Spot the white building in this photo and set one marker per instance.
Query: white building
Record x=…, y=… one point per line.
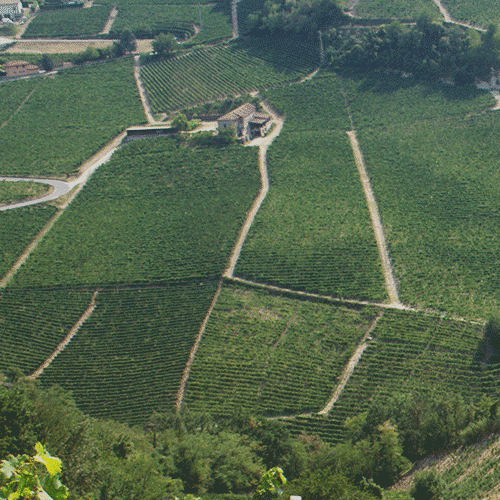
x=13, y=9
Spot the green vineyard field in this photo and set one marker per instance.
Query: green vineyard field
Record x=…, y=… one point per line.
x=252, y=353
x=69, y=22
x=85, y=107
x=396, y=9
x=127, y=359
x=158, y=211
x=313, y=232
x=411, y=353
x=205, y=75
x=441, y=220
x=147, y=19
x=12, y=94
x=17, y=229
x=34, y=322
x=482, y=12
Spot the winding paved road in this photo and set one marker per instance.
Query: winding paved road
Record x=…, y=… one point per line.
x=60, y=188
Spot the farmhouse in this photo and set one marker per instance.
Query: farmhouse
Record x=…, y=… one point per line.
x=12, y=9
x=247, y=122
x=19, y=68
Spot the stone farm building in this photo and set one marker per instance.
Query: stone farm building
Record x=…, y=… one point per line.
x=247, y=121
x=12, y=9
x=19, y=68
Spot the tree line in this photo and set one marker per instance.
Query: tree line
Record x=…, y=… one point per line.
x=428, y=50
x=177, y=454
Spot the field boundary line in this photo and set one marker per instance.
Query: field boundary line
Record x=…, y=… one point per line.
x=142, y=92
x=263, y=144
x=194, y=350
x=351, y=365
x=62, y=345
x=328, y=298
x=25, y=100
x=390, y=281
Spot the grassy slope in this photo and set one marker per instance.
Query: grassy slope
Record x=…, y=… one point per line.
x=251, y=355
x=11, y=192
x=85, y=106
x=156, y=212
x=128, y=358
x=313, y=232
x=438, y=192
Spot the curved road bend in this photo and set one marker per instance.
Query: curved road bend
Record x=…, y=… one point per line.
x=60, y=188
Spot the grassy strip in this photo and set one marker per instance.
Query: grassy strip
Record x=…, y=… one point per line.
x=396, y=9
x=17, y=229
x=252, y=353
x=34, y=322
x=158, y=211
x=313, y=232
x=127, y=359
x=438, y=193
x=11, y=192
x=85, y=107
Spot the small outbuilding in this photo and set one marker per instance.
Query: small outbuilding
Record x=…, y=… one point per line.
x=13, y=9
x=20, y=68
x=247, y=122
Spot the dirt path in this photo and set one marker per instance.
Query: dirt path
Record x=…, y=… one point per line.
x=351, y=365
x=234, y=18
x=448, y=19
x=84, y=317
x=21, y=105
x=194, y=350
x=327, y=298
x=309, y=76
x=263, y=144
x=110, y=21
x=390, y=282
x=142, y=92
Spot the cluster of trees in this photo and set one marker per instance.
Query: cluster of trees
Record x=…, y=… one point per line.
x=176, y=454
x=297, y=16
x=427, y=50
x=125, y=45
